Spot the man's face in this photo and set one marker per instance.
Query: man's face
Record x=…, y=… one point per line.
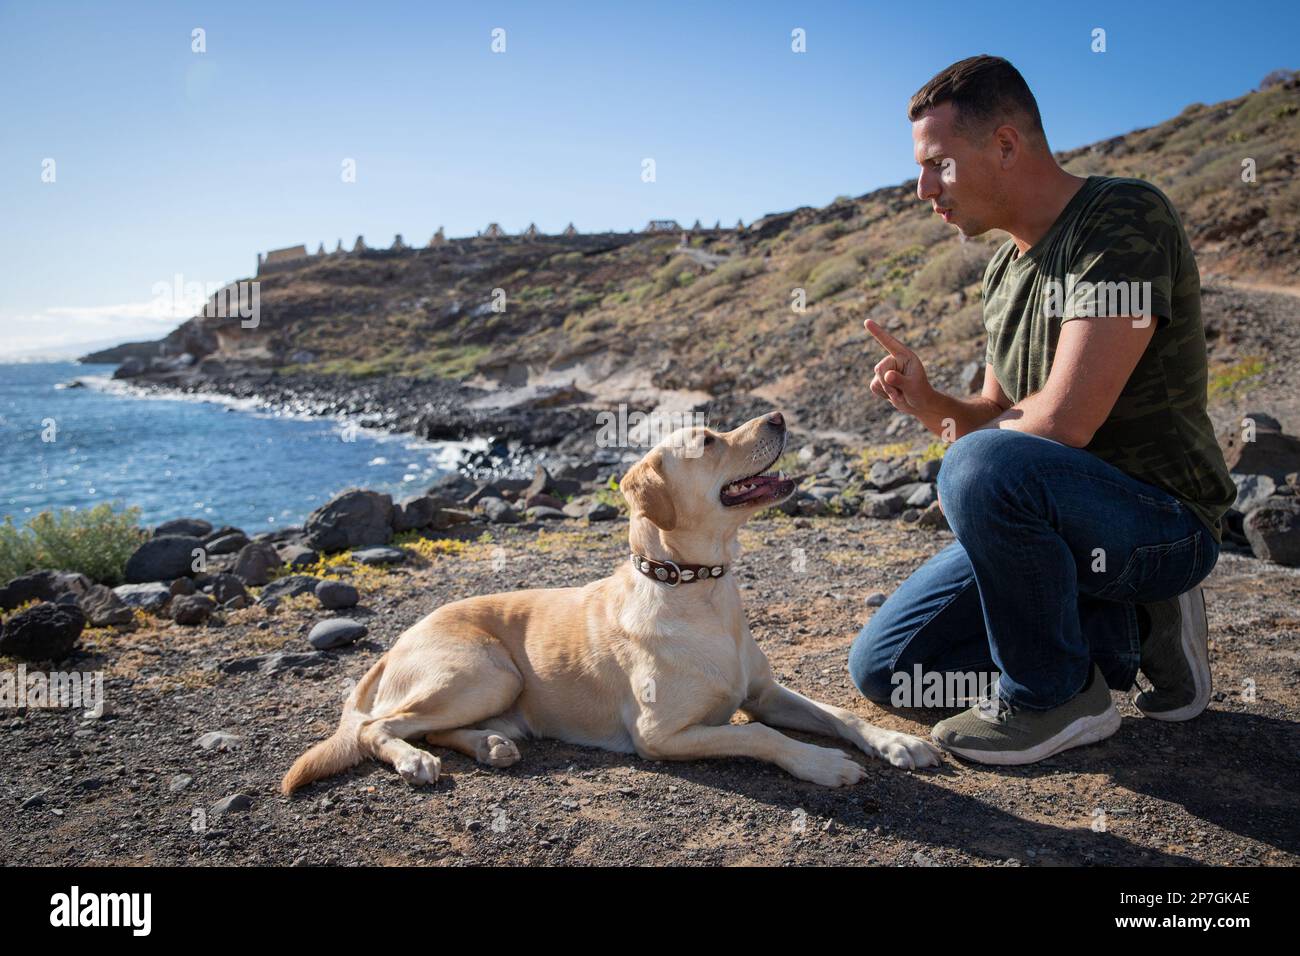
x=961, y=178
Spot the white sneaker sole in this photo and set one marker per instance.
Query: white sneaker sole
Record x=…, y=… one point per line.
x=1085, y=730
x=1194, y=638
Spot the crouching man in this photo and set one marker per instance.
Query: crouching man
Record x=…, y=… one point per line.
x=1084, y=484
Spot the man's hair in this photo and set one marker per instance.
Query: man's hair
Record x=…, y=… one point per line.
x=985, y=91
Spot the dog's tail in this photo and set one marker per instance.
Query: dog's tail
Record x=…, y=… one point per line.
x=343, y=749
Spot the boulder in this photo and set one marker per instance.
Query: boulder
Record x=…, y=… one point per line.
x=419, y=511
x=928, y=469
x=921, y=497
x=103, y=608
x=483, y=491
x=226, y=588
x=193, y=527
x=288, y=587
x=355, y=519
x=543, y=500
x=543, y=513
x=883, y=504
x=192, y=609
x=295, y=556
x=255, y=563
x=336, y=595
x=1252, y=491
x=450, y=517
x=498, y=511
x=602, y=511
x=182, y=586
x=335, y=632
x=147, y=597
x=1273, y=530
x=885, y=475
x=231, y=543
x=44, y=632
x=43, y=585
x=1271, y=453
x=375, y=556
x=932, y=517
x=163, y=558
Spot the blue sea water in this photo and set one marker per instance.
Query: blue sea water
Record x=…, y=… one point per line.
x=232, y=463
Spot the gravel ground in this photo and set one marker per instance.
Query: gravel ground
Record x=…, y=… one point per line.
x=133, y=788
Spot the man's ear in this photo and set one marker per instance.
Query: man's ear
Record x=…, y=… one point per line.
x=646, y=491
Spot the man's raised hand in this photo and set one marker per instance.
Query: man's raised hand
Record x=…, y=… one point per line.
x=899, y=376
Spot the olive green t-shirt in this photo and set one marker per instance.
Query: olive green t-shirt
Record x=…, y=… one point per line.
x=1118, y=249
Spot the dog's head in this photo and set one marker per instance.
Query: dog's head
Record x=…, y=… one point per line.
x=701, y=480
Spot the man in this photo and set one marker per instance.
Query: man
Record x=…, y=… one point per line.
x=1085, y=486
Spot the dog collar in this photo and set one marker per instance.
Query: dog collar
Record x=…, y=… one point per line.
x=672, y=574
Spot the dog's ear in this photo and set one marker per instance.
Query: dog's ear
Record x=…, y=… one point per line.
x=646, y=491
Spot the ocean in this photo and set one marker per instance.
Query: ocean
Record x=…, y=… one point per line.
x=230, y=462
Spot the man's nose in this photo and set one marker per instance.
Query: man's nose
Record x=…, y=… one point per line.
x=926, y=187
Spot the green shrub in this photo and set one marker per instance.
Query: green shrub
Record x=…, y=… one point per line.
x=95, y=542
x=955, y=268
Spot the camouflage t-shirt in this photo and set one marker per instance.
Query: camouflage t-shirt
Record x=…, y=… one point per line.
x=1118, y=249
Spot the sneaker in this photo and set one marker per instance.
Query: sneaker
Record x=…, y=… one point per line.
x=995, y=732
x=1176, y=658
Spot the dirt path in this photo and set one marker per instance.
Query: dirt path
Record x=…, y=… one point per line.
x=1221, y=789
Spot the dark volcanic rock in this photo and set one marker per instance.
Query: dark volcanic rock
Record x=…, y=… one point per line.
x=288, y=587
x=255, y=563
x=354, y=519
x=192, y=609
x=1273, y=530
x=336, y=595
x=149, y=597
x=162, y=558
x=43, y=632
x=194, y=527
x=43, y=585
x=336, y=632
x=103, y=608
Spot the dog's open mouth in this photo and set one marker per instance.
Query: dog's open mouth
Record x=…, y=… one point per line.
x=765, y=488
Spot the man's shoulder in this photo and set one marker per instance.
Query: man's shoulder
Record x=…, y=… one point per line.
x=1122, y=201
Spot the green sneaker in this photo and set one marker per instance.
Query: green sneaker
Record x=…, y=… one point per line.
x=1176, y=658
x=996, y=732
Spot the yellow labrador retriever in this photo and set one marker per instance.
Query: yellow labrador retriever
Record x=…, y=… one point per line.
x=654, y=659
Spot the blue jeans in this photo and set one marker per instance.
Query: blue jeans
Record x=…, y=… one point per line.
x=1054, y=548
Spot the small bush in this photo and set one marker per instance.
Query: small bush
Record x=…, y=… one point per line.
x=96, y=542
x=951, y=270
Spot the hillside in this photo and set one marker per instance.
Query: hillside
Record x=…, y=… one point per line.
x=639, y=318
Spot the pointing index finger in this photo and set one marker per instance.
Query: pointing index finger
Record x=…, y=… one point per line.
x=891, y=344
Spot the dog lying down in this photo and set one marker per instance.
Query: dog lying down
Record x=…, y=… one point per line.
x=653, y=660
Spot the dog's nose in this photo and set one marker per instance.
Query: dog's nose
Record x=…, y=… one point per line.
x=776, y=420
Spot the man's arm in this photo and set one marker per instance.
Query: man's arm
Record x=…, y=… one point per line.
x=1094, y=359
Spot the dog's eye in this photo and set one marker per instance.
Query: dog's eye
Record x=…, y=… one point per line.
x=708, y=439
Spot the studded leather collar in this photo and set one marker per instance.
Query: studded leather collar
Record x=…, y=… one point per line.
x=672, y=574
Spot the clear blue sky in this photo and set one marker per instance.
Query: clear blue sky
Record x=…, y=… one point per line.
x=170, y=161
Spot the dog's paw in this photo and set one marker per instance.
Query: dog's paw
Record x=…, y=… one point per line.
x=496, y=751
x=419, y=767
x=906, y=751
x=828, y=767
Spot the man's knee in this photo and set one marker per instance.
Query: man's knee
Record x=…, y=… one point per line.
x=871, y=664
x=982, y=468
